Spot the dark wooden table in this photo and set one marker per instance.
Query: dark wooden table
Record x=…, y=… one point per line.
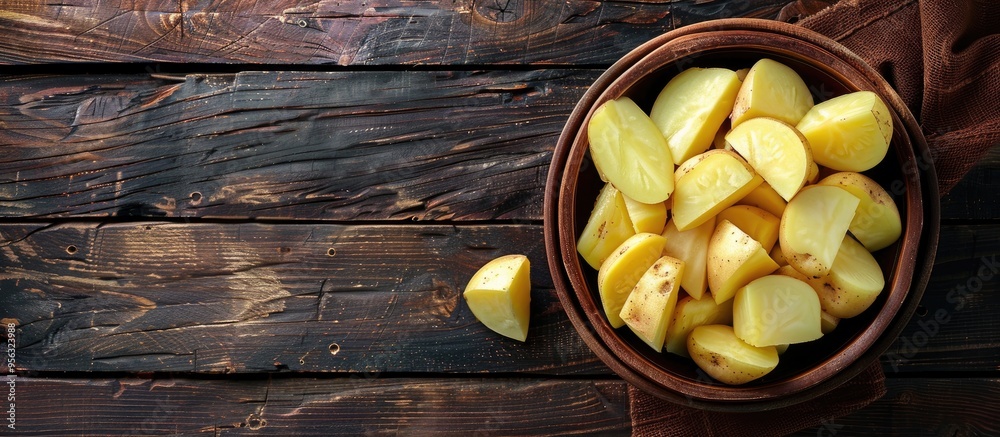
x=241, y=217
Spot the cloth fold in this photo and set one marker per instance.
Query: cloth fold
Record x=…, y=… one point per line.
x=943, y=59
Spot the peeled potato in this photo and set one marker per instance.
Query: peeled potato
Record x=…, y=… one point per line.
x=851, y=132
x=690, y=313
x=646, y=217
x=764, y=197
x=713, y=181
x=777, y=309
x=759, y=224
x=622, y=270
x=734, y=259
x=854, y=282
x=776, y=151
x=607, y=228
x=691, y=246
x=813, y=226
x=650, y=306
x=771, y=89
x=876, y=223
x=629, y=150
x=499, y=295
x=691, y=107
x=722, y=355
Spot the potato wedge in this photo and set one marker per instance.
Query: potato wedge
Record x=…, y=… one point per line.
x=734, y=259
x=499, y=295
x=851, y=132
x=759, y=224
x=691, y=246
x=714, y=181
x=607, y=227
x=854, y=282
x=813, y=226
x=776, y=151
x=777, y=309
x=876, y=223
x=764, y=197
x=629, y=150
x=722, y=355
x=691, y=107
x=771, y=89
x=622, y=270
x=646, y=217
x=650, y=306
x=690, y=313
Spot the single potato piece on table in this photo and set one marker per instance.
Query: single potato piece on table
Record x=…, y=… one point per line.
x=851, y=132
x=607, y=228
x=776, y=151
x=722, y=355
x=709, y=183
x=646, y=217
x=691, y=246
x=771, y=89
x=650, y=306
x=629, y=150
x=622, y=270
x=764, y=197
x=876, y=223
x=759, y=224
x=691, y=107
x=691, y=313
x=813, y=227
x=499, y=295
x=777, y=309
x=734, y=259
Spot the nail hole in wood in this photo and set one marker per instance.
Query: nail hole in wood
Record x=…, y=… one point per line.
x=255, y=422
x=334, y=348
x=196, y=197
x=71, y=249
x=331, y=252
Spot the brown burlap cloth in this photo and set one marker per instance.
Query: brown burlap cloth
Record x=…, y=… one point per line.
x=943, y=58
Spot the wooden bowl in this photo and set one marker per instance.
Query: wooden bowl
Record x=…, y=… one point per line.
x=805, y=371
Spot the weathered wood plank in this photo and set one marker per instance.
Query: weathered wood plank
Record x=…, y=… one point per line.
x=975, y=196
x=310, y=145
x=258, y=298
x=249, y=298
x=448, y=406
x=381, y=32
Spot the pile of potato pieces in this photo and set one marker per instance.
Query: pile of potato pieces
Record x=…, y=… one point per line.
x=759, y=252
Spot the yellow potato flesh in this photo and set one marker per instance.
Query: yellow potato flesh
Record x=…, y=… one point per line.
x=622, y=270
x=764, y=197
x=759, y=224
x=715, y=183
x=646, y=217
x=771, y=89
x=691, y=107
x=629, y=150
x=607, y=228
x=851, y=132
x=778, y=256
x=499, y=295
x=691, y=246
x=876, y=223
x=828, y=323
x=854, y=282
x=722, y=355
x=777, y=309
x=776, y=151
x=813, y=227
x=734, y=259
x=691, y=313
x=650, y=306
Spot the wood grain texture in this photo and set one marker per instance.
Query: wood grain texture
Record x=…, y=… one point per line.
x=380, y=32
x=250, y=298
x=311, y=145
x=975, y=196
x=454, y=406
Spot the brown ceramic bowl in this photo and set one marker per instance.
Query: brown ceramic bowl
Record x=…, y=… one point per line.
x=806, y=370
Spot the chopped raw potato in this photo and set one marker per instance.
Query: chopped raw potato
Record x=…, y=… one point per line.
x=714, y=181
x=499, y=295
x=734, y=259
x=876, y=223
x=851, y=132
x=813, y=225
x=776, y=151
x=691, y=246
x=771, y=89
x=622, y=270
x=650, y=306
x=629, y=150
x=777, y=309
x=607, y=228
x=690, y=109
x=722, y=355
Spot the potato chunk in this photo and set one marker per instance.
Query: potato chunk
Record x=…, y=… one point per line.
x=709, y=183
x=607, y=227
x=776, y=151
x=622, y=270
x=691, y=246
x=876, y=223
x=722, y=355
x=777, y=309
x=757, y=223
x=629, y=150
x=854, y=282
x=650, y=306
x=771, y=89
x=764, y=197
x=646, y=217
x=691, y=313
x=851, y=132
x=499, y=295
x=691, y=107
x=734, y=259
x=813, y=226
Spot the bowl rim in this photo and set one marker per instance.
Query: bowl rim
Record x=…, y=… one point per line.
x=922, y=215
